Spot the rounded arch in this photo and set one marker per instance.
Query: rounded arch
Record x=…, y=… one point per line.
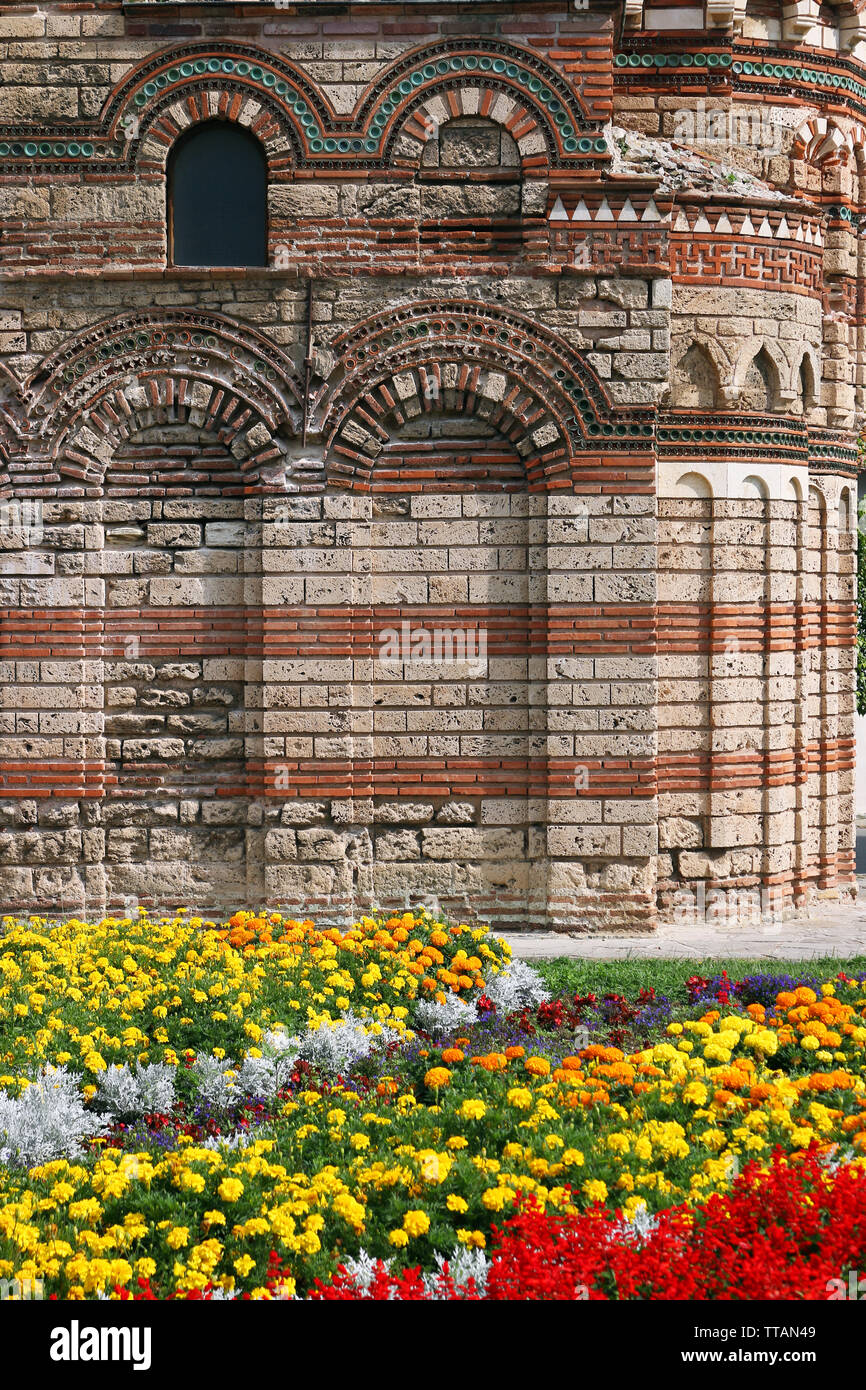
x=526, y=93
x=435, y=110
x=693, y=485
x=754, y=488
x=817, y=140
x=179, y=86
x=807, y=375
x=846, y=510
x=523, y=377
x=792, y=490
x=217, y=197
x=492, y=393
x=297, y=122
x=102, y=383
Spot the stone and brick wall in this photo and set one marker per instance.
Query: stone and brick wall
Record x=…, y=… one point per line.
x=494, y=542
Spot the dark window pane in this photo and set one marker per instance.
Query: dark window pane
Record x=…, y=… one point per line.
x=217, y=183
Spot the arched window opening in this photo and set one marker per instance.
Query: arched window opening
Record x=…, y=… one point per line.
x=217, y=198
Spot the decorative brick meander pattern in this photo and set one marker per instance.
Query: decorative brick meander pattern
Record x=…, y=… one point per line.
x=494, y=542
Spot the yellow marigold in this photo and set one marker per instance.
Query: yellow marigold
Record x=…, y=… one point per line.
x=573, y=1158
x=455, y=1203
x=398, y=1238
x=416, y=1223
x=519, y=1097
x=177, y=1237
x=230, y=1189
x=473, y=1239
x=594, y=1190
x=494, y=1198
x=472, y=1110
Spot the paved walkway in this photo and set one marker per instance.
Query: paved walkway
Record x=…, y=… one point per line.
x=831, y=931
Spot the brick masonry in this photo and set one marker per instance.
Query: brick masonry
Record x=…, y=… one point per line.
x=494, y=544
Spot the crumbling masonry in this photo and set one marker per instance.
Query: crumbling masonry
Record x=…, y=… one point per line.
x=558, y=353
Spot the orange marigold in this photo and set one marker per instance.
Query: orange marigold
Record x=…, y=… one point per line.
x=436, y=1077
x=537, y=1066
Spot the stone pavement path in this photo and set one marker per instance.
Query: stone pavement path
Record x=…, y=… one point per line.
x=831, y=931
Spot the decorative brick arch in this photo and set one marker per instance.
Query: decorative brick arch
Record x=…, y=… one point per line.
x=437, y=108
x=181, y=86
x=503, y=399
x=818, y=140
x=523, y=93
x=165, y=125
x=10, y=390
x=121, y=375
x=472, y=358
x=295, y=120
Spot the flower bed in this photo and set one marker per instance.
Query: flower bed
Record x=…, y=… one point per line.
x=189, y=1110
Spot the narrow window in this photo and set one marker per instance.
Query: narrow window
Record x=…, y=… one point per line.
x=217, y=198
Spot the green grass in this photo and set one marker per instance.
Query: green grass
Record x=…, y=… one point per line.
x=568, y=975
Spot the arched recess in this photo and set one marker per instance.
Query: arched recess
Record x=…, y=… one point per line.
x=827, y=152
x=181, y=665
x=164, y=431
x=481, y=214
x=197, y=367
x=696, y=382
x=477, y=359
x=693, y=485
x=758, y=378
x=806, y=382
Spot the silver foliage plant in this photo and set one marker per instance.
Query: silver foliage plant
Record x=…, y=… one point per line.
x=335, y=1048
x=47, y=1121
x=126, y=1092
x=518, y=986
x=463, y=1265
x=454, y=1014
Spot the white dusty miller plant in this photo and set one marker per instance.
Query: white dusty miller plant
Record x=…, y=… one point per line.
x=463, y=1265
x=126, y=1092
x=337, y=1047
x=48, y=1120
x=445, y=1018
x=518, y=986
